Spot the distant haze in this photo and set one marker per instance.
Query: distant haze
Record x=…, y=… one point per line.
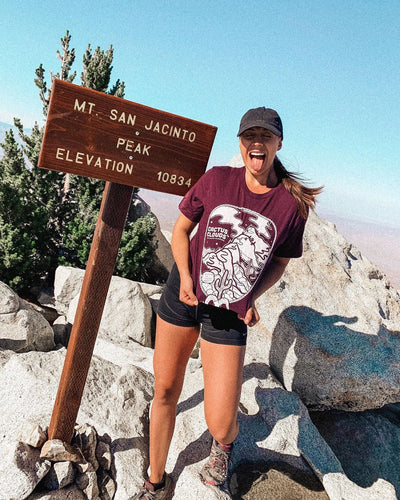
x=378, y=243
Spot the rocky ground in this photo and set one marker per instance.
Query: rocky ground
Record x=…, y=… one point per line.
x=319, y=413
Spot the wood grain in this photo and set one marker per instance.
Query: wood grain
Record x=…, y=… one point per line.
x=93, y=134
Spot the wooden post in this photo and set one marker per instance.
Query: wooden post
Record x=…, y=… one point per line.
x=99, y=270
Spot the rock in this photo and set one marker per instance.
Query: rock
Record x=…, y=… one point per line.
x=133, y=393
x=127, y=313
x=28, y=384
x=293, y=433
x=275, y=427
x=5, y=356
x=366, y=443
x=164, y=259
x=261, y=481
x=168, y=235
x=46, y=298
x=61, y=474
x=83, y=467
x=69, y=493
x=22, y=328
x=61, y=329
x=21, y=469
x=87, y=482
x=49, y=313
x=103, y=455
x=9, y=300
x=56, y=450
x=327, y=349
x=133, y=354
x=85, y=439
x=32, y=434
x=116, y=401
x=67, y=285
x=313, y=321
x=163, y=251
x=149, y=289
x=332, y=366
x=106, y=486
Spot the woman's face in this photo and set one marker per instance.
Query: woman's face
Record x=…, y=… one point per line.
x=258, y=147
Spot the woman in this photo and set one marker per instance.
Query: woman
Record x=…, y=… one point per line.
x=250, y=223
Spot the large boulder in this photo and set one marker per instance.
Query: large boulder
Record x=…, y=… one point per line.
x=27, y=390
x=21, y=470
x=364, y=442
x=127, y=315
x=22, y=328
x=330, y=365
x=291, y=432
x=67, y=285
x=163, y=260
x=116, y=401
x=330, y=327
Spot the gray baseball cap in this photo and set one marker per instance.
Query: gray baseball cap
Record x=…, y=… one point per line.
x=262, y=117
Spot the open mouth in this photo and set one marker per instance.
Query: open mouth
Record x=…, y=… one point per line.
x=257, y=156
x=257, y=160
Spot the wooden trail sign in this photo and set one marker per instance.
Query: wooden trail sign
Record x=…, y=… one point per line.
x=96, y=135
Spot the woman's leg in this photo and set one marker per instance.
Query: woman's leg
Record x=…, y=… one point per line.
x=173, y=347
x=223, y=374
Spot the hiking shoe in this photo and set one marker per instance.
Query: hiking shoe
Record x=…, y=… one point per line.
x=149, y=493
x=215, y=471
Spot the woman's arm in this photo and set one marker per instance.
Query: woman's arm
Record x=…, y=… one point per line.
x=180, y=250
x=274, y=271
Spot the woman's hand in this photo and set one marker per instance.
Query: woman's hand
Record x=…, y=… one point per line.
x=186, y=294
x=273, y=274
x=252, y=317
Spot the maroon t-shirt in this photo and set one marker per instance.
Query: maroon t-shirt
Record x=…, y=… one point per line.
x=238, y=232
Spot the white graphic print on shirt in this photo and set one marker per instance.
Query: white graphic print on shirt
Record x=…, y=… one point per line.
x=237, y=244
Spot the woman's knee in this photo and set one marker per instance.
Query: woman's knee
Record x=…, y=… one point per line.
x=165, y=394
x=223, y=431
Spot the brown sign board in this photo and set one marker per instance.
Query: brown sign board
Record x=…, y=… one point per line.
x=93, y=134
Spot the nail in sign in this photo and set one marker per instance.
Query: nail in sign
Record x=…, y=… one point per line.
x=93, y=134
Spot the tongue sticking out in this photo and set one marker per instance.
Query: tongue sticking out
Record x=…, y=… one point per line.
x=257, y=161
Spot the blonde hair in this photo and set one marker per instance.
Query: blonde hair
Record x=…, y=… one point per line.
x=305, y=196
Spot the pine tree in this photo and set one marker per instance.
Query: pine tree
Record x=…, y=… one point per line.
x=22, y=261
x=137, y=249
x=48, y=218
x=97, y=70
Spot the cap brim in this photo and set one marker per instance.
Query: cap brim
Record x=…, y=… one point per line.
x=271, y=128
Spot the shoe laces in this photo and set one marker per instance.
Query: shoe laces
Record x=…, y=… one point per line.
x=220, y=456
x=148, y=491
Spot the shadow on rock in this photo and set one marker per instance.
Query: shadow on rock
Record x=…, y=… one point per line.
x=330, y=365
x=195, y=452
x=277, y=481
x=281, y=436
x=366, y=443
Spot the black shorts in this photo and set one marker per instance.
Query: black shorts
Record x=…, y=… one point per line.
x=218, y=325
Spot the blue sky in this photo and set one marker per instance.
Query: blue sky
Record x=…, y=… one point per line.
x=330, y=68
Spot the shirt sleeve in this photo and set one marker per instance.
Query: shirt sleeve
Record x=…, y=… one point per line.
x=292, y=247
x=192, y=204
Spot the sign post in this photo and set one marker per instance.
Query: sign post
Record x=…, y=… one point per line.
x=93, y=134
